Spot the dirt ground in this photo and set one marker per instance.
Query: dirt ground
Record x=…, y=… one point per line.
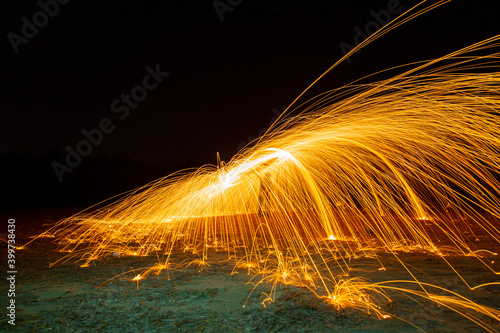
x=103, y=297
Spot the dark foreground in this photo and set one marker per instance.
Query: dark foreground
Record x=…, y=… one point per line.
x=68, y=298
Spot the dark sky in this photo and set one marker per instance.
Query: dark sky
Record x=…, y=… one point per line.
x=225, y=77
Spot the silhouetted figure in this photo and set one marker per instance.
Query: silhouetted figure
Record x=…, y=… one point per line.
x=263, y=195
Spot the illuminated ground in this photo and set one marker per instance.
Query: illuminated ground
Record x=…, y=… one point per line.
x=64, y=298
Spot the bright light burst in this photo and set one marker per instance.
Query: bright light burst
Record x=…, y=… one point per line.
x=405, y=164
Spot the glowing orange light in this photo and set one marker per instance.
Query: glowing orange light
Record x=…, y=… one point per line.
x=394, y=166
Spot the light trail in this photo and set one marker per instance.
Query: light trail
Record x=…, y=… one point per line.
x=406, y=164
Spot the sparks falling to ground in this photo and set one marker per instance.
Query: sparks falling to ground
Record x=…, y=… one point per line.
x=406, y=164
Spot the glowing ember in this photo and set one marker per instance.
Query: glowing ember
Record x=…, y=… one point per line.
x=402, y=165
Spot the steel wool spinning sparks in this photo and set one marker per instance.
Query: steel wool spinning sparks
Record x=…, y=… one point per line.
x=406, y=164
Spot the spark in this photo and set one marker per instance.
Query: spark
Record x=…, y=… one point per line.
x=405, y=164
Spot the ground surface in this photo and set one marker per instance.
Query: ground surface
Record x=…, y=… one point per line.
x=68, y=298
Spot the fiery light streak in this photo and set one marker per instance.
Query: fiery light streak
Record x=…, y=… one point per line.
x=405, y=164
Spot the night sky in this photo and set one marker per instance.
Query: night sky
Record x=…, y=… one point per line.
x=224, y=79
